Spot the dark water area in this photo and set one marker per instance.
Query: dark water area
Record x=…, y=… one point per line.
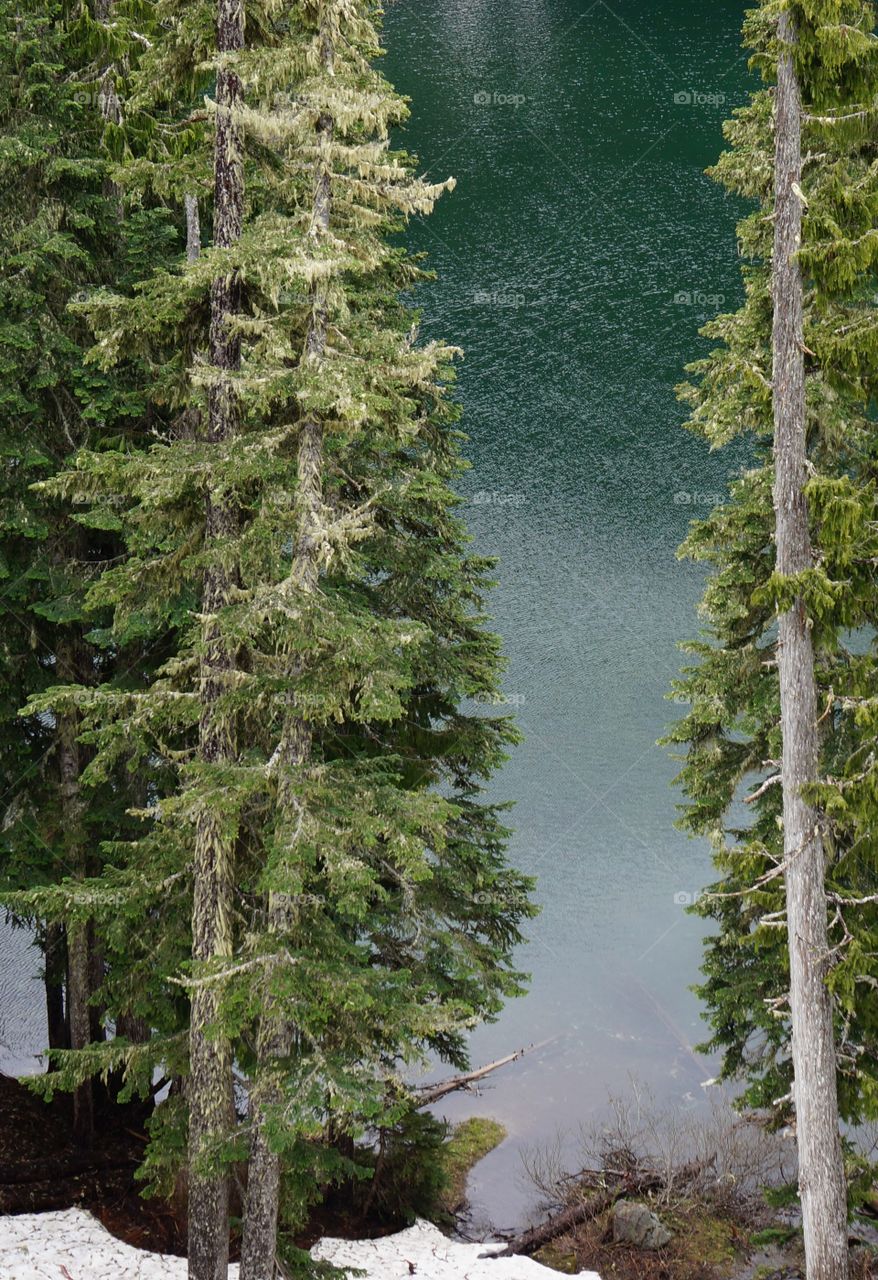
x=578, y=257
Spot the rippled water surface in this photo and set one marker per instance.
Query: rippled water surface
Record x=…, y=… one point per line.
x=22, y=1005
x=577, y=258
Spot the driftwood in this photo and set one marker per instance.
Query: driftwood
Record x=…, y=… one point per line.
x=431, y=1093
x=633, y=1183
x=573, y=1216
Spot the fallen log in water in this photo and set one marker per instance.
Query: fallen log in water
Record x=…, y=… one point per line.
x=634, y=1183
x=428, y=1094
x=573, y=1216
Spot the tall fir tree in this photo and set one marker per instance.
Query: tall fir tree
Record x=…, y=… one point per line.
x=733, y=728
x=62, y=237
x=822, y=1186
x=320, y=889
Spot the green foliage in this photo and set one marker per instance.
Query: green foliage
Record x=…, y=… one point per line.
x=62, y=239
x=406, y=914
x=408, y=1171
x=730, y=730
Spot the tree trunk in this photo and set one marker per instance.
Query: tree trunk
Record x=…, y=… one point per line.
x=108, y=101
x=79, y=965
x=276, y=1035
x=193, y=229
x=55, y=966
x=210, y=1080
x=821, y=1168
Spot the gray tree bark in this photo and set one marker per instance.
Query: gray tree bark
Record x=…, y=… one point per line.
x=193, y=229
x=79, y=966
x=276, y=1036
x=821, y=1169
x=55, y=953
x=210, y=1066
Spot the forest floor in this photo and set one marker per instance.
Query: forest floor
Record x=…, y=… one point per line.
x=749, y=1242
x=44, y=1168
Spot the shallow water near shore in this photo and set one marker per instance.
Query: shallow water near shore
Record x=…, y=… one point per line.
x=577, y=258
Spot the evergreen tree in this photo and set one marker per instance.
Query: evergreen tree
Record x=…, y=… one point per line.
x=62, y=237
x=733, y=729
x=821, y=1169
x=319, y=891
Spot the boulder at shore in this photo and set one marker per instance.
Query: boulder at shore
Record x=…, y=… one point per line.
x=635, y=1223
x=44, y=1246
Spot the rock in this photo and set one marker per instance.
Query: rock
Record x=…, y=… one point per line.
x=636, y=1224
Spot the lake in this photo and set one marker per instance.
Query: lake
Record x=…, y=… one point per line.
x=577, y=258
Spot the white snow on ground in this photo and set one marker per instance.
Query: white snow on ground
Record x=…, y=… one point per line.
x=424, y=1251
x=72, y=1245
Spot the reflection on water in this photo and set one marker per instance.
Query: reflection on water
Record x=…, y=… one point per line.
x=577, y=258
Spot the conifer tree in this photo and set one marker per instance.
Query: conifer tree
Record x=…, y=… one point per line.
x=733, y=731
x=821, y=1169
x=276, y=1032
x=370, y=914
x=62, y=236
x=210, y=1066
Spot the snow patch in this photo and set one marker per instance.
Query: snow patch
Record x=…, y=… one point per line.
x=424, y=1251
x=72, y=1245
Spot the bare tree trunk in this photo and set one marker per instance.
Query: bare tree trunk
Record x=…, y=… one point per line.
x=276, y=1036
x=79, y=967
x=821, y=1169
x=54, y=953
x=193, y=229
x=108, y=101
x=210, y=1080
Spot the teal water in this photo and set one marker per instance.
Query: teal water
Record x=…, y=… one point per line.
x=577, y=259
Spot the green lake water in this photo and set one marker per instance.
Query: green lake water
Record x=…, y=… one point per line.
x=577, y=258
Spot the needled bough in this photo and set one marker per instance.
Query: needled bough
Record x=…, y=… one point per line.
x=311, y=886
x=780, y=709
x=64, y=76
